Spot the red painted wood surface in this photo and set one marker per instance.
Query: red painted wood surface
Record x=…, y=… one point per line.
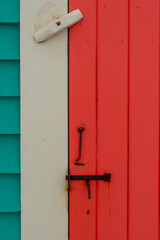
x=144, y=120
x=112, y=152
x=82, y=110
x=114, y=92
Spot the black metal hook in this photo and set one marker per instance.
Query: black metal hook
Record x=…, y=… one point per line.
x=80, y=130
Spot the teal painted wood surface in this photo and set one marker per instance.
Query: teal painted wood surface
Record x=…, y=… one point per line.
x=10, y=115
x=9, y=153
x=10, y=226
x=9, y=41
x=9, y=11
x=9, y=78
x=9, y=192
x=10, y=120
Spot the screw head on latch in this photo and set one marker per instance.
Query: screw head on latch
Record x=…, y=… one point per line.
x=58, y=23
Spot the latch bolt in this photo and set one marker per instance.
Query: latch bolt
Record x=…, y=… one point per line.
x=105, y=177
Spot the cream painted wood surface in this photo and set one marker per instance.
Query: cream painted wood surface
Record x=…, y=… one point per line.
x=44, y=125
x=58, y=25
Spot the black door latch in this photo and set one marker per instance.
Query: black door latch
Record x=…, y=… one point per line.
x=105, y=177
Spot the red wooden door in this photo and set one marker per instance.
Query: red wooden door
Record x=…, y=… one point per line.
x=114, y=93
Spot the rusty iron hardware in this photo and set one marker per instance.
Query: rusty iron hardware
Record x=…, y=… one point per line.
x=80, y=130
x=105, y=177
x=89, y=188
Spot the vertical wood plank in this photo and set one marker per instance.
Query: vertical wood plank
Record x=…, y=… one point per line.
x=82, y=110
x=44, y=124
x=112, y=132
x=144, y=120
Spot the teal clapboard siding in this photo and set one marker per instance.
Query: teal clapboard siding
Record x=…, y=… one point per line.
x=9, y=226
x=10, y=115
x=9, y=189
x=9, y=41
x=9, y=153
x=10, y=208
x=9, y=11
x=9, y=78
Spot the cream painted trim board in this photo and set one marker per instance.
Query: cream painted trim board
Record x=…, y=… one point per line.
x=44, y=124
x=58, y=25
